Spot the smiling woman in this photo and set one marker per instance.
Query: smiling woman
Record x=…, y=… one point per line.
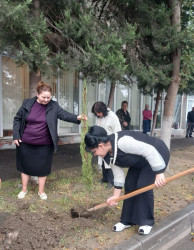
x=44, y=97
x=35, y=136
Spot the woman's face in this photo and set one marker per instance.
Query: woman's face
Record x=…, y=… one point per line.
x=44, y=97
x=102, y=150
x=99, y=114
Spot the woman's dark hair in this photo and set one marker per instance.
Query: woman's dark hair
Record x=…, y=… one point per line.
x=100, y=107
x=94, y=136
x=43, y=86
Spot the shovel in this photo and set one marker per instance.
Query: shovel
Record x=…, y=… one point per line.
x=74, y=214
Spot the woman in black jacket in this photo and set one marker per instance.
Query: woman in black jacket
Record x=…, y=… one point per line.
x=146, y=157
x=35, y=136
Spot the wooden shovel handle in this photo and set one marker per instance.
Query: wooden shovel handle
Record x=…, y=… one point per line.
x=145, y=189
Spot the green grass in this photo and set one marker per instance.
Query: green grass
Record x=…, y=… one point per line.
x=6, y=206
x=2, y=203
x=65, y=189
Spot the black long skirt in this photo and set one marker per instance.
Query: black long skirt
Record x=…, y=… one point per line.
x=34, y=160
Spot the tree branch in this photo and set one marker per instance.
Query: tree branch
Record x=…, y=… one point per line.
x=69, y=39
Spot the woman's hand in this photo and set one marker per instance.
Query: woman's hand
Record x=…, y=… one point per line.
x=160, y=180
x=17, y=142
x=110, y=201
x=80, y=117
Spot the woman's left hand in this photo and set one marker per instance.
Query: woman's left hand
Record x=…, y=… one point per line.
x=80, y=117
x=160, y=180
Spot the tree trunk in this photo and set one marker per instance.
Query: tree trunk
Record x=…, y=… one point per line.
x=158, y=98
x=34, y=79
x=111, y=95
x=36, y=10
x=174, y=86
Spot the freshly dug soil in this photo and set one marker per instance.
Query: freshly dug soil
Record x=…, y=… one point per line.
x=31, y=224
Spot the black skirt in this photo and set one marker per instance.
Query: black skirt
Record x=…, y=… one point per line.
x=34, y=160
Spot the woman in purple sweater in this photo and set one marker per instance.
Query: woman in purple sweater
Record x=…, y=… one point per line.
x=35, y=136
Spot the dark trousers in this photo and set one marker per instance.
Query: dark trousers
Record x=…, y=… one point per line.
x=139, y=210
x=190, y=127
x=107, y=175
x=146, y=126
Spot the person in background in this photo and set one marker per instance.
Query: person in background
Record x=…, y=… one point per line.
x=35, y=136
x=147, y=117
x=190, y=123
x=124, y=116
x=146, y=159
x=109, y=121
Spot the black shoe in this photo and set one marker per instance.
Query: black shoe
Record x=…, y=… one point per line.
x=191, y=136
x=187, y=136
x=109, y=185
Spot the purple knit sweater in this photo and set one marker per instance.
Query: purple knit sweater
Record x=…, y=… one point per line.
x=36, y=131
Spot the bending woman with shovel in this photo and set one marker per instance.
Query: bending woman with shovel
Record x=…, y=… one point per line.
x=146, y=157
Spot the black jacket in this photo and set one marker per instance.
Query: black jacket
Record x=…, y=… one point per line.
x=190, y=116
x=53, y=113
x=124, y=117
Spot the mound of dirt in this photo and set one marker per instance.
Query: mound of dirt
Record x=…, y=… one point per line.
x=26, y=230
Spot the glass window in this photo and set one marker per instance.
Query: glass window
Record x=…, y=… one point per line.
x=15, y=88
x=102, y=93
x=122, y=94
x=92, y=96
x=135, y=110
x=190, y=103
x=177, y=110
x=68, y=98
x=147, y=100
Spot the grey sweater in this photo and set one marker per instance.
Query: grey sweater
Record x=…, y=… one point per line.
x=135, y=149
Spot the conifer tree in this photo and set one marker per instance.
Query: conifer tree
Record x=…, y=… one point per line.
x=104, y=39
x=155, y=58
x=87, y=171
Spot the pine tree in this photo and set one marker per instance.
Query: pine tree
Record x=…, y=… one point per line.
x=155, y=58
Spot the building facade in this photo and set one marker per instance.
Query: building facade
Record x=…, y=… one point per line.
x=15, y=86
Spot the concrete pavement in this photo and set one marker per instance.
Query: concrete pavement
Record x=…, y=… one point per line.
x=172, y=233
x=67, y=156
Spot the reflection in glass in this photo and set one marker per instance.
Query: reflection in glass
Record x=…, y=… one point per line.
x=68, y=98
x=15, y=85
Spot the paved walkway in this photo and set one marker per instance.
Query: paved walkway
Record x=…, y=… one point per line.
x=67, y=156
x=172, y=233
